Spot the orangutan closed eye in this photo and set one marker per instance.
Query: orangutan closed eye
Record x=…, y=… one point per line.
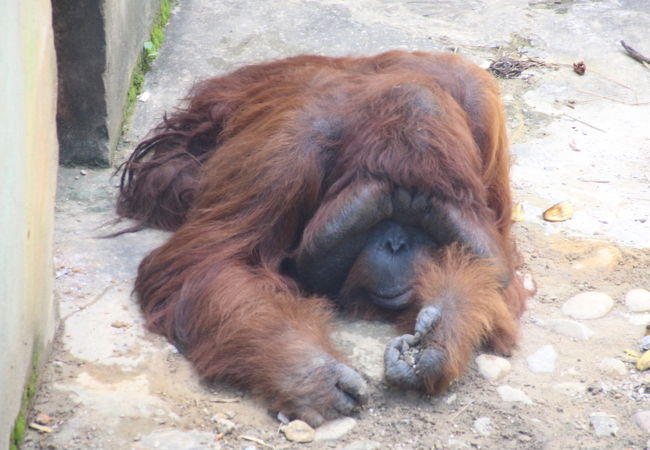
x=377, y=187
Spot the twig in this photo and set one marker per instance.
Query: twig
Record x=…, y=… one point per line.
x=585, y=123
x=613, y=99
x=461, y=410
x=587, y=180
x=95, y=300
x=605, y=77
x=256, y=440
x=226, y=400
x=634, y=54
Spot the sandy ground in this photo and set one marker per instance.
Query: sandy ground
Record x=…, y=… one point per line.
x=109, y=384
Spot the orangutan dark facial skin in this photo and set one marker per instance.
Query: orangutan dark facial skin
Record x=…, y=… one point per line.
x=376, y=188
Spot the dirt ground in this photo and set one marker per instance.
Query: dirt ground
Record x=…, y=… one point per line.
x=109, y=384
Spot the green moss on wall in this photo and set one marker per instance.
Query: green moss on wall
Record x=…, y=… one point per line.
x=147, y=57
x=18, y=432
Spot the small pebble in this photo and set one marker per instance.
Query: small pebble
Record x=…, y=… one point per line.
x=43, y=419
x=570, y=388
x=602, y=258
x=144, y=96
x=638, y=319
x=298, y=431
x=604, y=424
x=335, y=429
x=83, y=172
x=588, y=305
x=363, y=445
x=483, y=426
x=529, y=283
x=644, y=343
x=510, y=394
x=492, y=367
x=638, y=300
x=543, y=360
x=569, y=328
x=642, y=419
x=225, y=426
x=451, y=399
x=454, y=443
x=612, y=366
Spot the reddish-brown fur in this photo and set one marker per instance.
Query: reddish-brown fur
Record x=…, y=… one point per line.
x=242, y=170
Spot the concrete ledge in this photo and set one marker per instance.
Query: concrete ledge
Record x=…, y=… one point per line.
x=97, y=45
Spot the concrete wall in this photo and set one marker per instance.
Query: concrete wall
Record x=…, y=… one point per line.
x=98, y=44
x=28, y=165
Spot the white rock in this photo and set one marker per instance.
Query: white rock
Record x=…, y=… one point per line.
x=569, y=328
x=637, y=319
x=167, y=439
x=604, y=424
x=638, y=300
x=529, y=282
x=612, y=366
x=144, y=96
x=588, y=305
x=363, y=445
x=451, y=399
x=298, y=431
x=483, y=426
x=642, y=419
x=334, y=429
x=570, y=388
x=510, y=394
x=543, y=360
x=492, y=367
x=455, y=443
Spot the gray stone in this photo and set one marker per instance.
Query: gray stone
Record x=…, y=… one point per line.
x=569, y=328
x=638, y=300
x=543, y=360
x=335, y=429
x=483, y=426
x=642, y=419
x=492, y=367
x=612, y=366
x=510, y=394
x=604, y=424
x=644, y=343
x=588, y=305
x=298, y=431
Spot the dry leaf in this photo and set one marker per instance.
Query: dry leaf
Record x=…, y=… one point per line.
x=559, y=212
x=643, y=363
x=40, y=428
x=579, y=67
x=518, y=212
